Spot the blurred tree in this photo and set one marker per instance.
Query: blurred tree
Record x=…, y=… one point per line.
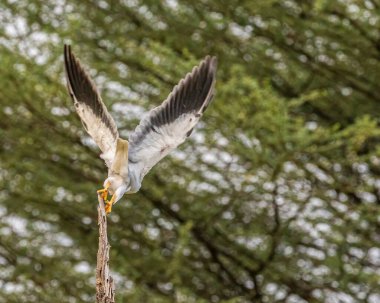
x=274, y=199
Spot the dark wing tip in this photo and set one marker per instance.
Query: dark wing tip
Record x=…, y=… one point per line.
x=191, y=95
x=210, y=63
x=66, y=48
x=205, y=75
x=68, y=57
x=72, y=69
x=79, y=82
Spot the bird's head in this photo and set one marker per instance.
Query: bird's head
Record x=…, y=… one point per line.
x=117, y=186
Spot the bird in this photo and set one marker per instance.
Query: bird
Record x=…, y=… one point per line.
x=159, y=132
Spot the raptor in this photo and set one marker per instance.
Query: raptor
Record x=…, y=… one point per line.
x=159, y=132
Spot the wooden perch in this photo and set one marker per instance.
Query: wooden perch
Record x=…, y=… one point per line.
x=105, y=289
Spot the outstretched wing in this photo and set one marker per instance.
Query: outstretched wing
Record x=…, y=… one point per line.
x=168, y=125
x=90, y=107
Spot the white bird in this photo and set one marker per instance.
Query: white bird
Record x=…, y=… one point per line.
x=162, y=130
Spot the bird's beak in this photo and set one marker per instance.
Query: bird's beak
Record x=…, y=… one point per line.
x=120, y=192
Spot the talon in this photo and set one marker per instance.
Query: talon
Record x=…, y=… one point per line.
x=104, y=192
x=108, y=206
x=105, y=195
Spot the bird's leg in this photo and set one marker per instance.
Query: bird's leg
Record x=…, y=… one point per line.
x=104, y=192
x=109, y=204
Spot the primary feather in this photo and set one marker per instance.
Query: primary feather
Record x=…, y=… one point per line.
x=168, y=125
x=90, y=107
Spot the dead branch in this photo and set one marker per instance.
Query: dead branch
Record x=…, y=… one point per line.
x=105, y=289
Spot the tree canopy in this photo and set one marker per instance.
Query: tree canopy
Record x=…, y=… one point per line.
x=275, y=197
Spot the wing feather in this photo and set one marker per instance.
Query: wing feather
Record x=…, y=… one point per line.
x=168, y=125
x=89, y=105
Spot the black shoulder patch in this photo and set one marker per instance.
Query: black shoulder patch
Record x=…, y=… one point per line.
x=189, y=132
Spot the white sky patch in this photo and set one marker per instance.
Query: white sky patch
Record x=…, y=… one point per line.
x=3, y=210
x=60, y=111
x=220, y=139
x=116, y=89
x=374, y=255
x=60, y=194
x=243, y=32
x=64, y=240
x=289, y=167
x=83, y=267
x=374, y=298
x=3, y=261
x=251, y=143
x=179, y=154
x=209, y=158
x=252, y=243
x=288, y=209
x=358, y=253
x=128, y=110
x=215, y=176
x=165, y=223
x=17, y=28
x=47, y=251
x=353, y=9
x=202, y=186
x=88, y=141
x=119, y=279
x=173, y=4
x=258, y=21
x=17, y=224
x=295, y=299
x=271, y=288
x=307, y=227
x=42, y=226
x=153, y=233
x=11, y=287
x=311, y=125
x=228, y=215
x=315, y=253
x=320, y=174
x=198, y=137
x=346, y=91
x=280, y=294
x=323, y=227
x=367, y=197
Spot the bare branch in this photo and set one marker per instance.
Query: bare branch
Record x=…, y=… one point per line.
x=105, y=289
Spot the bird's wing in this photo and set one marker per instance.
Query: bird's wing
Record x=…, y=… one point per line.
x=168, y=125
x=90, y=107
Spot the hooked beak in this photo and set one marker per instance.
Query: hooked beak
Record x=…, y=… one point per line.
x=119, y=193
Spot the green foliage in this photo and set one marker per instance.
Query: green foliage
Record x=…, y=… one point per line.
x=275, y=198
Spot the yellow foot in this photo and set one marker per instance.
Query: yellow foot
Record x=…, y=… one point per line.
x=104, y=192
x=108, y=206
